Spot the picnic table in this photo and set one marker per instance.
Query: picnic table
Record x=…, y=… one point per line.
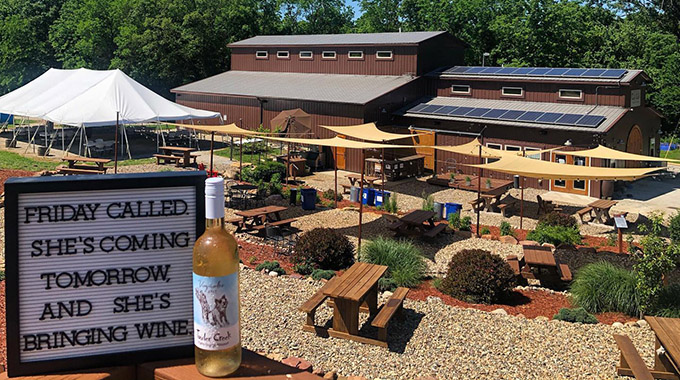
x=666, y=352
x=542, y=259
x=83, y=165
x=368, y=180
x=181, y=151
x=419, y=223
x=240, y=192
x=601, y=208
x=498, y=186
x=259, y=218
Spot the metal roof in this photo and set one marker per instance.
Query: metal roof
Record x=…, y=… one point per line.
x=612, y=114
x=405, y=38
x=336, y=88
x=448, y=74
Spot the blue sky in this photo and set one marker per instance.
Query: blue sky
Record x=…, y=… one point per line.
x=355, y=6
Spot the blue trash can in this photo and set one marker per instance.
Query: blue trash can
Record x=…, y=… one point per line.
x=308, y=198
x=381, y=197
x=354, y=194
x=368, y=197
x=452, y=208
x=438, y=210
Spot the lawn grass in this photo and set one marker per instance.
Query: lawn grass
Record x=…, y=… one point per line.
x=247, y=157
x=15, y=161
x=137, y=161
x=672, y=155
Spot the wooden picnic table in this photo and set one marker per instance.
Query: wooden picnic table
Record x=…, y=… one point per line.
x=490, y=200
x=498, y=186
x=542, y=258
x=667, y=331
x=180, y=150
x=99, y=162
x=251, y=219
x=357, y=287
x=601, y=208
x=419, y=223
x=368, y=180
x=89, y=165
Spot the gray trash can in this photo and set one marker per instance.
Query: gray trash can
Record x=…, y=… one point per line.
x=438, y=210
x=354, y=195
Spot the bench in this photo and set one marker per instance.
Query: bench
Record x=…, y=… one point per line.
x=345, y=188
x=66, y=170
x=391, y=307
x=631, y=362
x=278, y=223
x=565, y=272
x=583, y=212
x=235, y=221
x=313, y=303
x=393, y=222
x=166, y=158
x=477, y=203
x=193, y=156
x=506, y=206
x=513, y=261
x=434, y=231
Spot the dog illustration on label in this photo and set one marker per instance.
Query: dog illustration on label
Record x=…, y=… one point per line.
x=216, y=315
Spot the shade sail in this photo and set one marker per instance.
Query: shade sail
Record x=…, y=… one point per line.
x=230, y=129
x=337, y=142
x=527, y=167
x=293, y=122
x=612, y=154
x=472, y=149
x=93, y=98
x=368, y=132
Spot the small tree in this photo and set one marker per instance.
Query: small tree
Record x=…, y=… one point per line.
x=428, y=202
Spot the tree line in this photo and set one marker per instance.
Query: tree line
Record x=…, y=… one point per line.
x=166, y=43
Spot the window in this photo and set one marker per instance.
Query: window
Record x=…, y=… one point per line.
x=532, y=156
x=512, y=91
x=355, y=54
x=513, y=148
x=460, y=89
x=571, y=94
x=385, y=54
x=493, y=146
x=261, y=54
x=560, y=159
x=581, y=184
x=306, y=55
x=328, y=55
x=282, y=54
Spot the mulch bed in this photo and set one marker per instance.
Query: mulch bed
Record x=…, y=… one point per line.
x=4, y=174
x=3, y=330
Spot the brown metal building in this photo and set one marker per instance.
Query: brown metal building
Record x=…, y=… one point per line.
x=411, y=81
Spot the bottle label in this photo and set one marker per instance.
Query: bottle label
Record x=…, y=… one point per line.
x=216, y=314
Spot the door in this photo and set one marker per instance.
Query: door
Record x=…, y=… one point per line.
x=571, y=186
x=634, y=145
x=340, y=155
x=425, y=138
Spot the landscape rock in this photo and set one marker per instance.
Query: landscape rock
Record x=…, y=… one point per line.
x=528, y=242
x=332, y=375
x=500, y=312
x=548, y=245
x=273, y=274
x=387, y=294
x=642, y=323
x=274, y=199
x=617, y=325
x=632, y=324
x=434, y=299
x=541, y=318
x=507, y=239
x=298, y=363
x=487, y=237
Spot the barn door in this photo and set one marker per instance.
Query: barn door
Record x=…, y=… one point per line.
x=571, y=186
x=340, y=156
x=425, y=138
x=634, y=145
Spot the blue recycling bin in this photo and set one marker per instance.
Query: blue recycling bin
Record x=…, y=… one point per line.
x=368, y=197
x=381, y=197
x=308, y=199
x=452, y=208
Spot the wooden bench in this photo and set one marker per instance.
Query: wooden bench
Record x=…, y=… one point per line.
x=631, y=362
x=313, y=303
x=278, y=223
x=193, y=156
x=238, y=222
x=477, y=203
x=66, y=170
x=434, y=231
x=166, y=158
x=391, y=307
x=345, y=188
x=393, y=222
x=513, y=261
x=506, y=206
x=583, y=212
x=565, y=272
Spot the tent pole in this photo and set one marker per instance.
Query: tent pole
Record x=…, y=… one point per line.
x=127, y=142
x=335, y=162
x=212, y=143
x=62, y=138
x=288, y=164
x=115, y=147
x=361, y=199
x=479, y=187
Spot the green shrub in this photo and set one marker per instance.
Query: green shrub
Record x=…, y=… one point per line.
x=274, y=186
x=674, y=228
x=466, y=224
x=601, y=287
x=506, y=229
x=668, y=302
x=577, y=315
x=555, y=235
x=611, y=240
x=271, y=266
x=428, y=202
x=252, y=260
x=318, y=274
x=330, y=194
x=391, y=204
x=2, y=275
x=404, y=260
x=454, y=220
x=263, y=172
x=303, y=269
x=324, y=248
x=485, y=231
x=437, y=283
x=475, y=275
x=555, y=218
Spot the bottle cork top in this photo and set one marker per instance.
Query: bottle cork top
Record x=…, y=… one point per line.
x=214, y=198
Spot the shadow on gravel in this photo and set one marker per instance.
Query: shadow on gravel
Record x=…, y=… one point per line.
x=515, y=298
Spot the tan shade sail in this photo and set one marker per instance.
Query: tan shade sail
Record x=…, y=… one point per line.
x=293, y=122
x=472, y=149
x=612, y=154
x=230, y=129
x=337, y=142
x=527, y=167
x=368, y=132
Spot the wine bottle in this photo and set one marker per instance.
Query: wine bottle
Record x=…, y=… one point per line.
x=217, y=334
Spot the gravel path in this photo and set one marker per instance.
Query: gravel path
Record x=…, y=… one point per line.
x=434, y=339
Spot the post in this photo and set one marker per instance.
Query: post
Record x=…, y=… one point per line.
x=620, y=240
x=361, y=199
x=212, y=144
x=115, y=148
x=288, y=164
x=382, y=170
x=231, y=148
x=521, y=203
x=240, y=165
x=335, y=163
x=479, y=187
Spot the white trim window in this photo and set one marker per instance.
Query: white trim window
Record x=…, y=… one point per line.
x=513, y=148
x=306, y=54
x=262, y=54
x=532, y=156
x=461, y=89
x=512, y=91
x=493, y=146
x=283, y=54
x=568, y=93
x=384, y=54
x=329, y=54
x=355, y=54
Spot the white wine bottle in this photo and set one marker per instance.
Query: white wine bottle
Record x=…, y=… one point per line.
x=217, y=333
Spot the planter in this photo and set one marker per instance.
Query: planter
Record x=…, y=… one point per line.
x=10, y=144
x=468, y=183
x=42, y=151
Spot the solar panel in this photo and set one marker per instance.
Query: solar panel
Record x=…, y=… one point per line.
x=511, y=115
x=456, y=69
x=478, y=112
x=460, y=111
x=574, y=72
x=475, y=69
x=590, y=120
x=593, y=73
x=523, y=70
x=530, y=116
x=430, y=108
x=506, y=70
x=453, y=110
x=549, y=117
x=417, y=108
x=539, y=71
x=494, y=113
x=556, y=72
x=562, y=72
x=491, y=70
x=614, y=73
x=445, y=110
x=568, y=119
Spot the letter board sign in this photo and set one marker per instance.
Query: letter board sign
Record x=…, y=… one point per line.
x=99, y=269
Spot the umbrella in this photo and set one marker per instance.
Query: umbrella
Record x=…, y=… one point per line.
x=294, y=122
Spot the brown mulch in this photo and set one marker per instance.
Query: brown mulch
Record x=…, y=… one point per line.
x=4, y=174
x=3, y=342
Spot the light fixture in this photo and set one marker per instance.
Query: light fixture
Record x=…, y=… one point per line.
x=568, y=143
x=484, y=56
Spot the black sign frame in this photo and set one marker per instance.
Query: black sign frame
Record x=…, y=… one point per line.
x=16, y=186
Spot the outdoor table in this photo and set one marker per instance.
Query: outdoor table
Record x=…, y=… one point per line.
x=490, y=200
x=601, y=208
x=259, y=216
x=417, y=222
x=98, y=163
x=498, y=186
x=368, y=180
x=539, y=256
x=243, y=189
x=667, y=331
x=184, y=151
x=357, y=286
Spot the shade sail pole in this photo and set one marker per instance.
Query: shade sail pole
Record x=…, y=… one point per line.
x=382, y=169
x=115, y=148
x=240, y=160
x=335, y=164
x=361, y=199
x=288, y=164
x=521, y=203
x=212, y=143
x=479, y=188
